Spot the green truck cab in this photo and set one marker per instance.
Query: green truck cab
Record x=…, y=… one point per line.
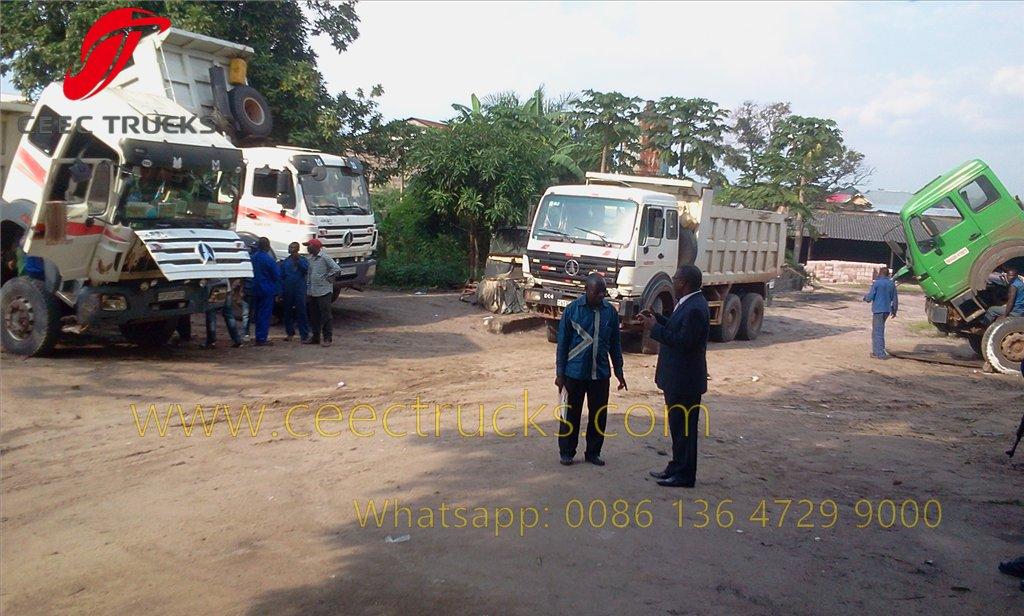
x=961, y=228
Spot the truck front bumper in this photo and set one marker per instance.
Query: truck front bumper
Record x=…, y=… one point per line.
x=549, y=303
x=118, y=304
x=355, y=274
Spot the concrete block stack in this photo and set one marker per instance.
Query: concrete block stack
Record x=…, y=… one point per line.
x=850, y=272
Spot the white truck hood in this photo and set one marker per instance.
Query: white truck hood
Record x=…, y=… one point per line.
x=189, y=254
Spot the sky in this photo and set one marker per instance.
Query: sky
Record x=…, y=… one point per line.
x=917, y=87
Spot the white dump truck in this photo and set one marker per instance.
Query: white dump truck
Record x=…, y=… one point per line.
x=635, y=231
x=289, y=194
x=125, y=226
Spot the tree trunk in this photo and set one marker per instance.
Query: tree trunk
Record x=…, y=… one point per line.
x=682, y=165
x=604, y=158
x=798, y=230
x=474, y=254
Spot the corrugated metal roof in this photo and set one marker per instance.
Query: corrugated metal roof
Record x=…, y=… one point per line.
x=870, y=227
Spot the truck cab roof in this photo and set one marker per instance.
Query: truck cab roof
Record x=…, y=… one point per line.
x=608, y=191
x=282, y=155
x=952, y=180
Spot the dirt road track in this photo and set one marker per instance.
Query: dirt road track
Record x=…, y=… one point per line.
x=96, y=518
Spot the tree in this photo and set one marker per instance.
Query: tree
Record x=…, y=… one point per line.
x=386, y=151
x=482, y=173
x=607, y=121
x=41, y=40
x=808, y=160
x=690, y=132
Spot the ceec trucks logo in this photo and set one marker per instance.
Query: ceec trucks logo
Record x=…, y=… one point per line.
x=107, y=47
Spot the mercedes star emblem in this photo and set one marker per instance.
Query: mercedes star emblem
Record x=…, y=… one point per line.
x=205, y=252
x=572, y=267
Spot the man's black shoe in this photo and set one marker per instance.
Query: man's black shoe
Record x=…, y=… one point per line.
x=659, y=474
x=595, y=460
x=676, y=482
x=1013, y=567
x=565, y=461
x=310, y=341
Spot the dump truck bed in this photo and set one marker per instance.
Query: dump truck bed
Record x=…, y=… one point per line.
x=737, y=245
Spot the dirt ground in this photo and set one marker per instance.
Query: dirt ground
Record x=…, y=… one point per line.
x=96, y=518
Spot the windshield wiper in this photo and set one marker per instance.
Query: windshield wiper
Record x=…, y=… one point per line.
x=598, y=234
x=556, y=232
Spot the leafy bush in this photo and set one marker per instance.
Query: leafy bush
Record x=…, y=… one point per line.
x=417, y=250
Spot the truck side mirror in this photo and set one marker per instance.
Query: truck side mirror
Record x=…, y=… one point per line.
x=285, y=191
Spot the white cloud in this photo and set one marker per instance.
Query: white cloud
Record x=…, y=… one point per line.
x=1009, y=80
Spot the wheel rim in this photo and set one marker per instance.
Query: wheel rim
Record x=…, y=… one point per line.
x=1012, y=347
x=253, y=111
x=19, y=318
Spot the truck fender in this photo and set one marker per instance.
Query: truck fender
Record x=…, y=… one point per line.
x=994, y=256
x=660, y=283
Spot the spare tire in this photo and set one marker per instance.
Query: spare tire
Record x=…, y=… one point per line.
x=148, y=334
x=687, y=247
x=251, y=111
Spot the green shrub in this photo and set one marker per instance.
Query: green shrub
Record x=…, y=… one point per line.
x=416, y=249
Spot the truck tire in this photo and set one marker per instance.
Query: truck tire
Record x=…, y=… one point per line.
x=1003, y=345
x=148, y=334
x=31, y=317
x=975, y=341
x=648, y=345
x=731, y=317
x=251, y=111
x=335, y=292
x=552, y=329
x=751, y=316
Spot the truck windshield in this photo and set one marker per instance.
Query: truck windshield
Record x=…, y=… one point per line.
x=340, y=191
x=591, y=220
x=162, y=196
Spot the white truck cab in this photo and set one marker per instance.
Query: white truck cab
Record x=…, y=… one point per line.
x=295, y=194
x=132, y=222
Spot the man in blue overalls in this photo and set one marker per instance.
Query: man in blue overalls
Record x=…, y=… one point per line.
x=884, y=303
x=587, y=334
x=293, y=283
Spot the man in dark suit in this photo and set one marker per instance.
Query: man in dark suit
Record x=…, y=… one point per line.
x=682, y=373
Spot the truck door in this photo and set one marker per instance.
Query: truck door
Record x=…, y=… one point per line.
x=948, y=255
x=656, y=252
x=260, y=212
x=70, y=215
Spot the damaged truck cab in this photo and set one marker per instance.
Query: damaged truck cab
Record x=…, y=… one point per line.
x=960, y=229
x=129, y=204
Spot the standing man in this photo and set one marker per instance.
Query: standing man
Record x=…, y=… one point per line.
x=265, y=283
x=587, y=334
x=228, y=310
x=682, y=372
x=884, y=302
x=293, y=283
x=320, y=288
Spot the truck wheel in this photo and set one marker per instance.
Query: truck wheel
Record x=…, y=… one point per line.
x=975, y=341
x=751, y=316
x=251, y=111
x=31, y=317
x=149, y=334
x=1003, y=345
x=335, y=292
x=731, y=317
x=552, y=327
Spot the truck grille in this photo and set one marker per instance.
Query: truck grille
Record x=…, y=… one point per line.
x=566, y=269
x=347, y=236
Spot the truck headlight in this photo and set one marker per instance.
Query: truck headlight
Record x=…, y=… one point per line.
x=218, y=294
x=113, y=303
x=533, y=296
